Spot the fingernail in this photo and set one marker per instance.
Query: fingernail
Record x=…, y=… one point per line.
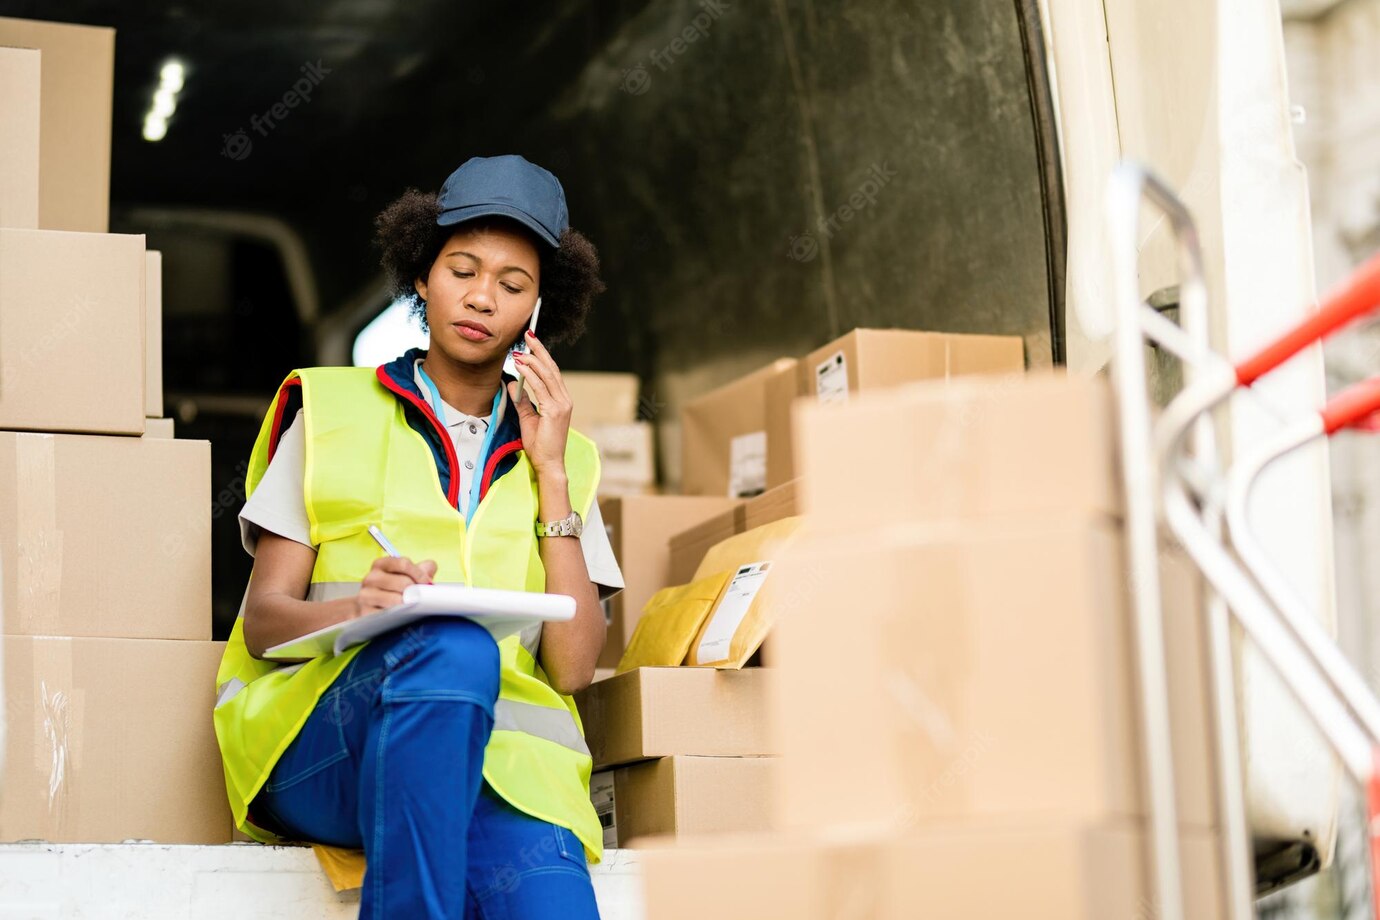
x=531, y=334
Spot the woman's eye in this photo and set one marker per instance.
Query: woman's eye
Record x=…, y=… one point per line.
x=512, y=290
x=459, y=274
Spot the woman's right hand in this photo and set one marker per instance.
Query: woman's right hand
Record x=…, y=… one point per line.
x=388, y=577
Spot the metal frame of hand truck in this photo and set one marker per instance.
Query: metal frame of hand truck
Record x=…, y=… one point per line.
x=1172, y=474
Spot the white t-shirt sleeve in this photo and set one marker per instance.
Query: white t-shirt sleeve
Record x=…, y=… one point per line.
x=279, y=504
x=599, y=559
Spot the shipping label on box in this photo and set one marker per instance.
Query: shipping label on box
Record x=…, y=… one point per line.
x=747, y=465
x=831, y=379
x=601, y=793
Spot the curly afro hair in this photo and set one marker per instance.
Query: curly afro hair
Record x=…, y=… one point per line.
x=410, y=240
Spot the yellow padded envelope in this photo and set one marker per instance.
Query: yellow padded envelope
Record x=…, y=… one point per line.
x=745, y=610
x=670, y=621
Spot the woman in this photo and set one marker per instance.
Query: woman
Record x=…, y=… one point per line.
x=456, y=763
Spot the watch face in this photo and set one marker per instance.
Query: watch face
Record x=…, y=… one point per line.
x=577, y=523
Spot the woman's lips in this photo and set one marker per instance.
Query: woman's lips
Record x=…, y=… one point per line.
x=473, y=331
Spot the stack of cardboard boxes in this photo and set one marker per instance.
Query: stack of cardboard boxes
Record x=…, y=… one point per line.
x=606, y=410
x=954, y=706
x=703, y=587
x=105, y=535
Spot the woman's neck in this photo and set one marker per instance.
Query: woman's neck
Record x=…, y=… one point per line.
x=465, y=387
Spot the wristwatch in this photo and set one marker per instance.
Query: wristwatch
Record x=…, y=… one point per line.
x=570, y=526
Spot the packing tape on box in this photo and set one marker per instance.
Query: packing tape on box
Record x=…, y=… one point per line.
x=39, y=570
x=58, y=729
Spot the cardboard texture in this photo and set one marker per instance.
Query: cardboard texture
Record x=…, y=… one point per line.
x=723, y=435
x=1037, y=871
x=690, y=795
x=688, y=547
x=77, y=77
x=658, y=712
x=104, y=536
x=772, y=505
x=759, y=876
x=19, y=105
x=627, y=456
x=158, y=428
x=73, y=301
x=639, y=529
x=1038, y=444
x=869, y=359
x=600, y=398
x=975, y=669
x=153, y=334
x=781, y=392
x=116, y=742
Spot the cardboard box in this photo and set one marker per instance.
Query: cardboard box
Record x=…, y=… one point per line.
x=1042, y=871
x=724, y=435
x=158, y=428
x=781, y=392
x=658, y=712
x=111, y=739
x=1039, y=871
x=153, y=334
x=772, y=505
x=627, y=455
x=1037, y=444
x=688, y=547
x=870, y=359
x=77, y=77
x=73, y=301
x=974, y=670
x=683, y=795
x=19, y=103
x=639, y=529
x=104, y=536
x=601, y=398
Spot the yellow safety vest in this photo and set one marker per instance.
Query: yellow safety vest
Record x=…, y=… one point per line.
x=360, y=448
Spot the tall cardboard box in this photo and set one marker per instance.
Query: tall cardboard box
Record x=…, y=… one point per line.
x=976, y=669
x=724, y=435
x=19, y=103
x=104, y=536
x=968, y=449
x=683, y=794
x=111, y=739
x=71, y=331
x=77, y=75
x=658, y=712
x=153, y=334
x=639, y=529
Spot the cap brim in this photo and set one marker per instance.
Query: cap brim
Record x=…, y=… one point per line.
x=458, y=215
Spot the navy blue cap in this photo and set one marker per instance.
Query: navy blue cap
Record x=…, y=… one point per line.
x=510, y=186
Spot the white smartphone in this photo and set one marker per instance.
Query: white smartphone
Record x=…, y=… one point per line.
x=521, y=349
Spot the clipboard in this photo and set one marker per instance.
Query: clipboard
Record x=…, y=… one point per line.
x=502, y=613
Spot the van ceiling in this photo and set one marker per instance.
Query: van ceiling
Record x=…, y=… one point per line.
x=759, y=177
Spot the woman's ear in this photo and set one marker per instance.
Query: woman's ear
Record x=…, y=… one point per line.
x=420, y=286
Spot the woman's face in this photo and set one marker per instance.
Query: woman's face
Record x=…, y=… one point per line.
x=480, y=293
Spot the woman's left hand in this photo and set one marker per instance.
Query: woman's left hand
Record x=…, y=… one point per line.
x=543, y=434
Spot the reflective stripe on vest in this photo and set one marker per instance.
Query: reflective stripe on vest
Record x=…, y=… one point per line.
x=537, y=758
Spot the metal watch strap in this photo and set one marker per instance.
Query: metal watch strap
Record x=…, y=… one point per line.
x=569, y=526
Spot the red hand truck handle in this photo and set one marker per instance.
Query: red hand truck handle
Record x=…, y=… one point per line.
x=1358, y=296
x=1373, y=828
x=1353, y=406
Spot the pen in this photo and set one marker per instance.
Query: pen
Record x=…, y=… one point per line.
x=383, y=541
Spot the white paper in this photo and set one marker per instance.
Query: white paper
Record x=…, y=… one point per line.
x=502, y=613
x=730, y=610
x=747, y=465
x=831, y=379
x=601, y=794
